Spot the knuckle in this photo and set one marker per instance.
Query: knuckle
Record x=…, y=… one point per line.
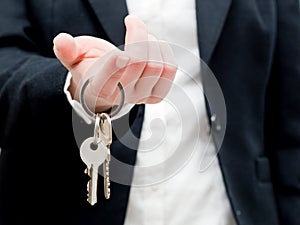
x=137, y=66
x=155, y=67
x=170, y=70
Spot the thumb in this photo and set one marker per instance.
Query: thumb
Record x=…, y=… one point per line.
x=66, y=49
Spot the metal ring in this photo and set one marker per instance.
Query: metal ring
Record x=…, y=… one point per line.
x=97, y=138
x=115, y=109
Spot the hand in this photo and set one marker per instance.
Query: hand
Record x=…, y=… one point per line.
x=146, y=68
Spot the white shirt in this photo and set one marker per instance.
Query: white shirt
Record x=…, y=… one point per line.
x=188, y=196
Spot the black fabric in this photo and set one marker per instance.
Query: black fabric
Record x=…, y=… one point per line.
x=251, y=46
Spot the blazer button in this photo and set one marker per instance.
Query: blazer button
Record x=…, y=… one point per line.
x=213, y=120
x=213, y=117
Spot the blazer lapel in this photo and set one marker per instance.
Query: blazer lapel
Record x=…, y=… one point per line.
x=211, y=15
x=111, y=15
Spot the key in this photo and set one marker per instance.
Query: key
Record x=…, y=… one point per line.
x=93, y=155
x=106, y=129
x=106, y=179
x=106, y=136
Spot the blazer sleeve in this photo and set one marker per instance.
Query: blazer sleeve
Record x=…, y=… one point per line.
x=283, y=113
x=29, y=80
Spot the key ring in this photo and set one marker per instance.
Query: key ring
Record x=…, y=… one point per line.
x=97, y=138
x=92, y=114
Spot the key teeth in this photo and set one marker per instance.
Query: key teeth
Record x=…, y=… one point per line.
x=90, y=197
x=91, y=202
x=88, y=186
x=88, y=193
x=107, y=196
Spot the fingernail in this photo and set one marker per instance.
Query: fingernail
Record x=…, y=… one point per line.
x=122, y=61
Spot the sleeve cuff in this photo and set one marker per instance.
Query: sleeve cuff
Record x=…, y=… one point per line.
x=77, y=107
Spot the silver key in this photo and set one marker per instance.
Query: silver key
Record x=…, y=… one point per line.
x=106, y=136
x=106, y=129
x=93, y=153
x=106, y=179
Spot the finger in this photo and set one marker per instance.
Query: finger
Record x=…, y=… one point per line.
x=136, y=37
x=167, y=77
x=93, y=47
x=168, y=54
x=70, y=50
x=154, y=51
x=136, y=47
x=65, y=49
x=152, y=71
x=108, y=75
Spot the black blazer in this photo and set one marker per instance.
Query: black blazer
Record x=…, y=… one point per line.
x=251, y=46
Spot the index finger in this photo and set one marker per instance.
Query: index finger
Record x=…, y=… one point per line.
x=136, y=37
